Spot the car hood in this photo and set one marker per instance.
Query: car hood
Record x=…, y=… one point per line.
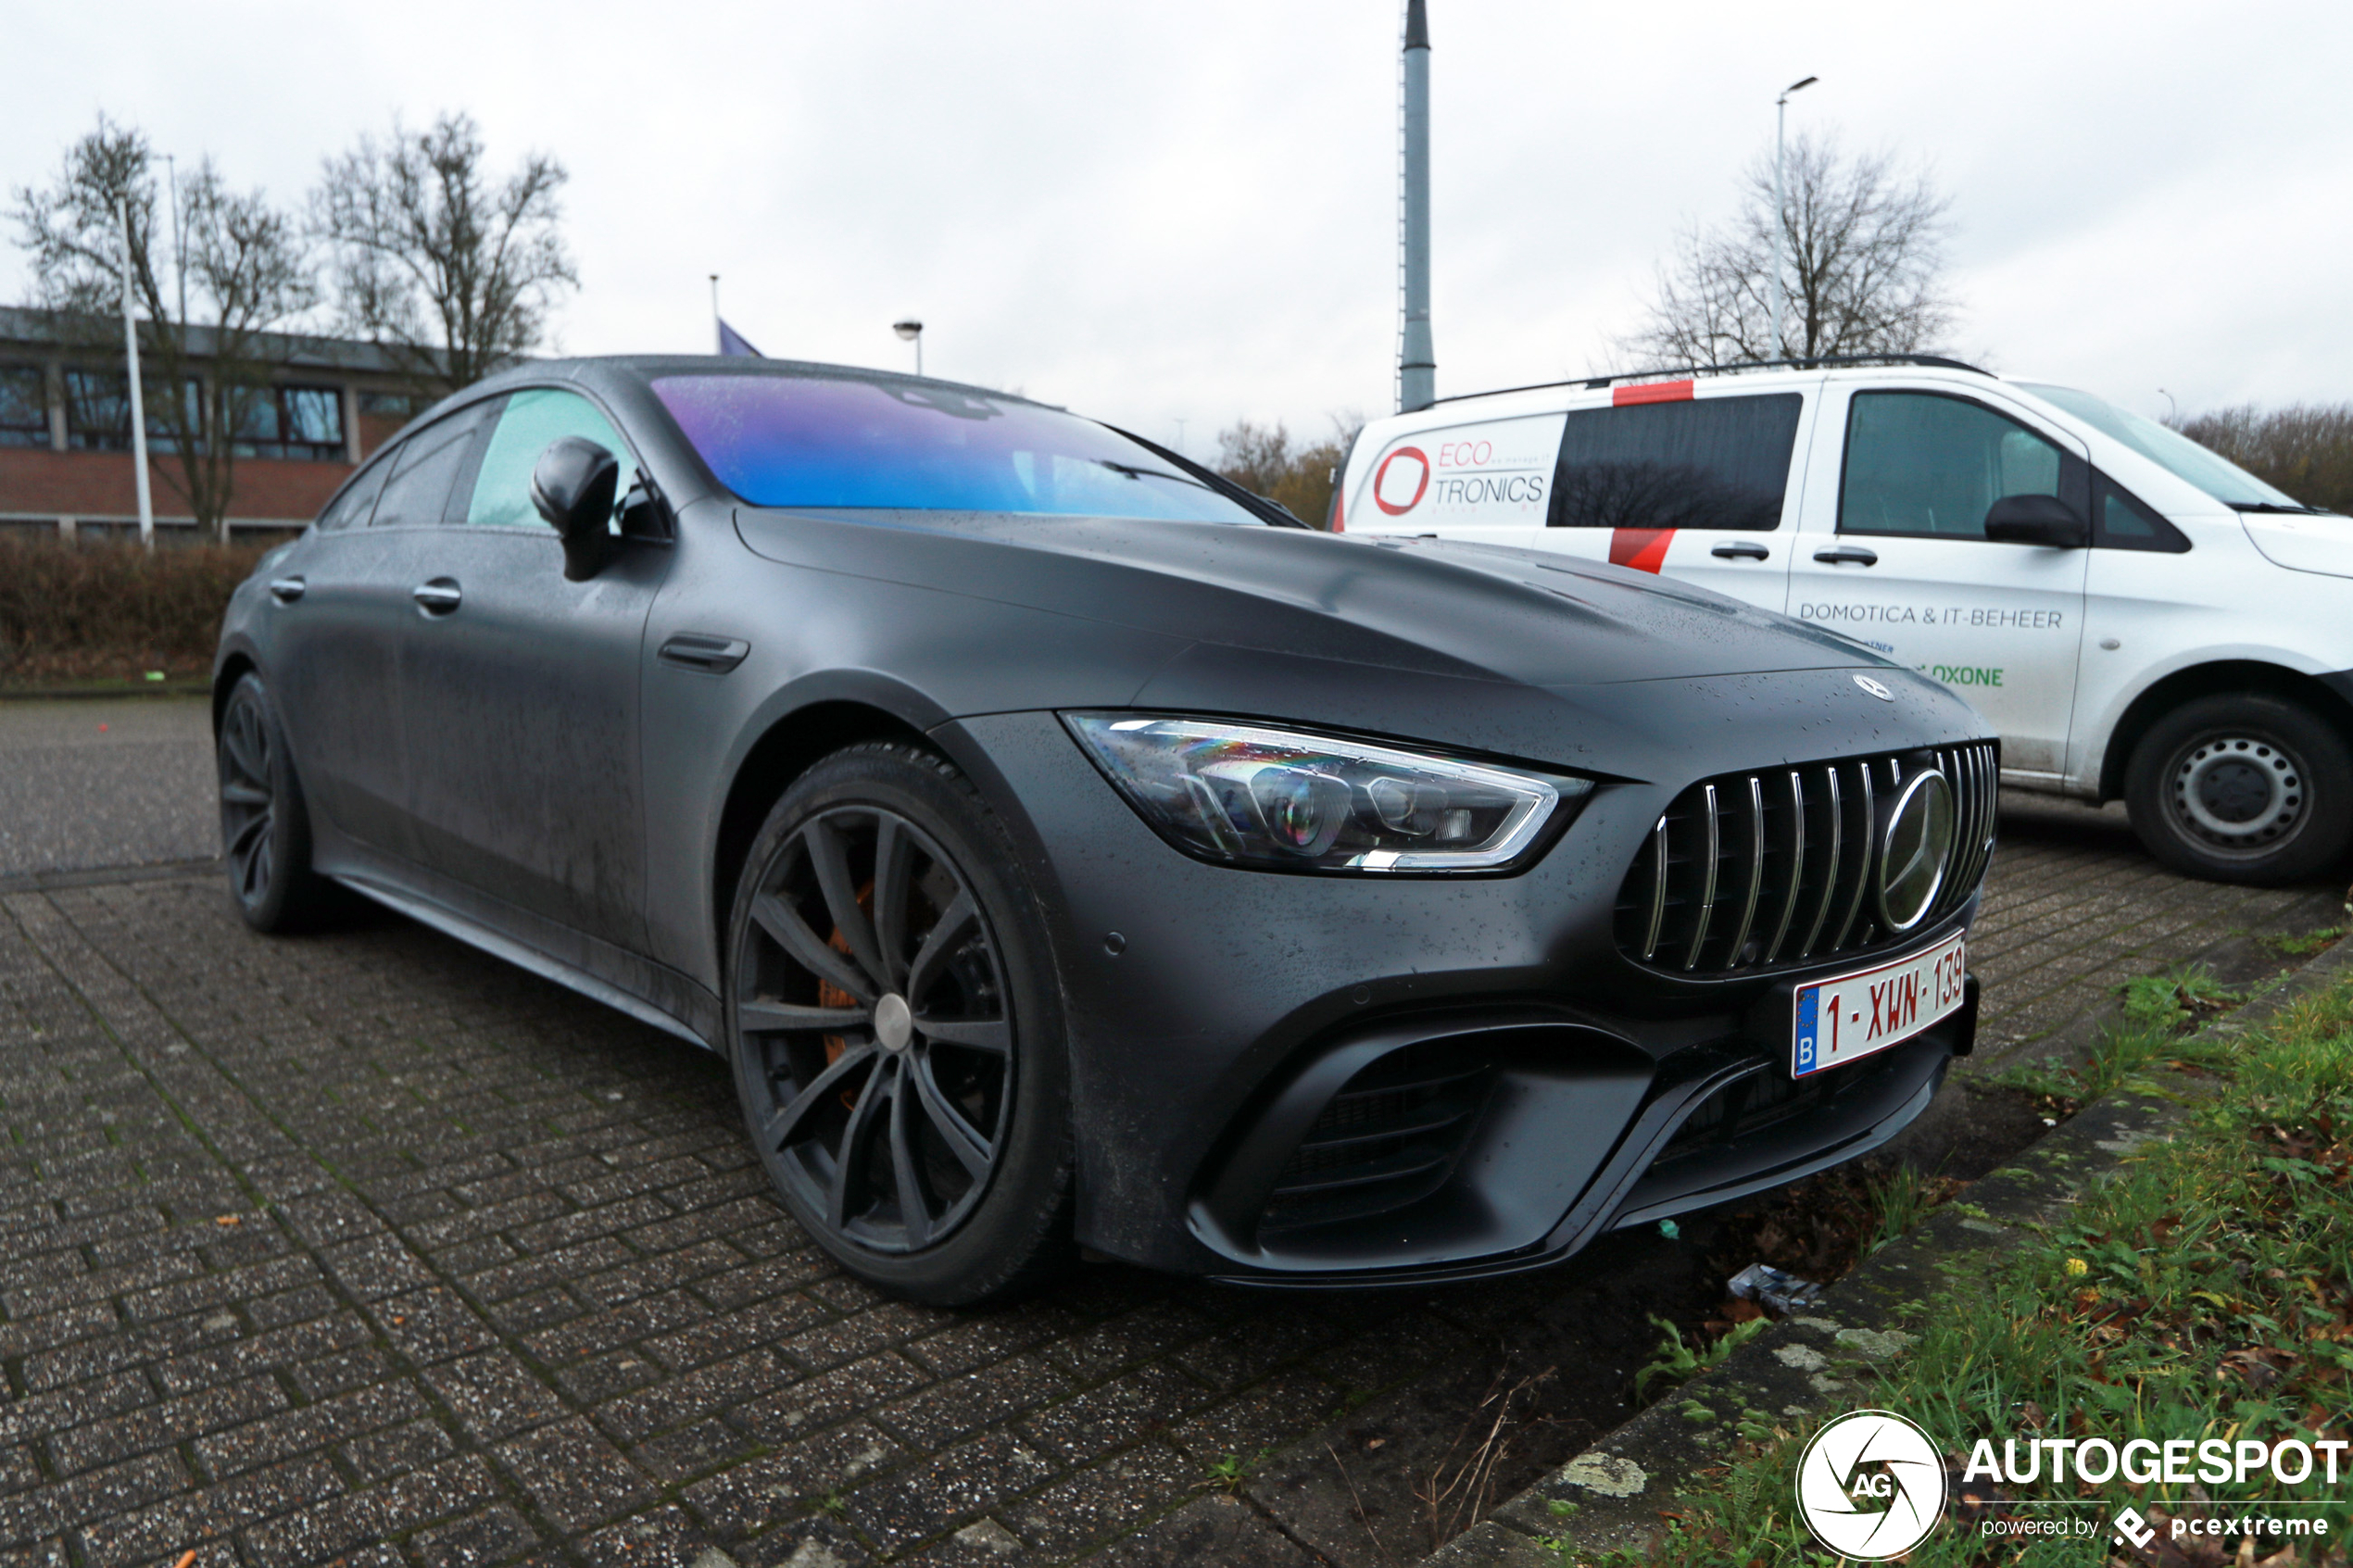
x=2303, y=542
x=1432, y=607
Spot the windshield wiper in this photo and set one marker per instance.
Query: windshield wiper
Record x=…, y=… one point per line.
x=2272, y=506
x=1132, y=471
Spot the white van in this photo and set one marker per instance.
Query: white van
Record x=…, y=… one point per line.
x=2139, y=619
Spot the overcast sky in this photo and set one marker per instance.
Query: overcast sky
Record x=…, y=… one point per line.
x=1188, y=212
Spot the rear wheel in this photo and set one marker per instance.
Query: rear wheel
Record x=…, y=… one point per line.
x=891, y=1019
x=2243, y=787
x=265, y=829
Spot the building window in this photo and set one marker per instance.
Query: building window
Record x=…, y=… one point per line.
x=395, y=406
x=24, y=406
x=98, y=411
x=293, y=422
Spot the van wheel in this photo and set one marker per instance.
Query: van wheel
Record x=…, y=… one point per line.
x=2243, y=787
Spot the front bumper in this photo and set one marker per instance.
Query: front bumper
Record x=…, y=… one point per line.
x=1316, y=1080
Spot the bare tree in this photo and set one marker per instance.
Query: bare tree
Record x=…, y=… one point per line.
x=247, y=272
x=2303, y=449
x=1267, y=461
x=449, y=270
x=1863, y=248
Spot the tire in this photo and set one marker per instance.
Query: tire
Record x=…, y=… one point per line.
x=2243, y=787
x=265, y=827
x=894, y=1023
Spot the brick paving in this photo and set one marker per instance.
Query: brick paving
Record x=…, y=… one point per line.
x=366, y=1250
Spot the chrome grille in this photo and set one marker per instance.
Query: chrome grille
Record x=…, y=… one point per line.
x=1746, y=871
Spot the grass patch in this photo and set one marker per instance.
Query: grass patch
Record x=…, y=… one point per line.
x=2158, y=1011
x=2204, y=1291
x=2305, y=945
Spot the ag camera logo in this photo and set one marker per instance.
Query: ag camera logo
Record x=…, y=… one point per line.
x=1870, y=1486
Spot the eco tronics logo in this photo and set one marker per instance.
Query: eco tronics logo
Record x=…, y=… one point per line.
x=1870, y=1486
x=1400, y=493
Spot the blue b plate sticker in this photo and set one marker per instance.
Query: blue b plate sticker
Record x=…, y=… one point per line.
x=1855, y=1015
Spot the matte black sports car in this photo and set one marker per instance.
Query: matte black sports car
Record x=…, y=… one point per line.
x=1069, y=849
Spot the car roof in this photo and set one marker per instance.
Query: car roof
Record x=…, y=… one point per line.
x=646, y=367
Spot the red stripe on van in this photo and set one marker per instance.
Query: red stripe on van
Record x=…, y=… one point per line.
x=1653, y=391
x=1644, y=549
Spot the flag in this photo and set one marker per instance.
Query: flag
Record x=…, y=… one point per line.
x=731, y=342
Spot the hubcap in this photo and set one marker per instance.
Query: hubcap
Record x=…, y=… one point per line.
x=248, y=805
x=876, y=1031
x=2237, y=792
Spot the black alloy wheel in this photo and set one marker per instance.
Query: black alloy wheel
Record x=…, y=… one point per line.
x=883, y=1050
x=2247, y=788
x=265, y=831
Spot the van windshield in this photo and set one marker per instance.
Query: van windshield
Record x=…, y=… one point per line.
x=2218, y=476
x=839, y=441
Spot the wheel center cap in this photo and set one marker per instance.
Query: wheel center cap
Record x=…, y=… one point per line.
x=894, y=1022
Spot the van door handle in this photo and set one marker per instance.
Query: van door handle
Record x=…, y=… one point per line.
x=1846, y=553
x=437, y=598
x=285, y=590
x=1741, y=549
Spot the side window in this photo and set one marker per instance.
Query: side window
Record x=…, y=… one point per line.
x=2121, y=520
x=1922, y=463
x=425, y=468
x=351, y=507
x=530, y=422
x=1714, y=462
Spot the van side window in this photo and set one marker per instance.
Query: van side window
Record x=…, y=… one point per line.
x=2121, y=520
x=1711, y=462
x=1923, y=463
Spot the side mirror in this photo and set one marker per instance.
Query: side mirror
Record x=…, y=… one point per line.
x=2036, y=520
x=573, y=486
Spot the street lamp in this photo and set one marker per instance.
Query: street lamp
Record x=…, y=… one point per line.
x=912, y=331
x=1780, y=121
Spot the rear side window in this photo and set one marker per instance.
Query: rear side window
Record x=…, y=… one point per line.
x=1922, y=463
x=425, y=468
x=1715, y=462
x=351, y=509
x=529, y=425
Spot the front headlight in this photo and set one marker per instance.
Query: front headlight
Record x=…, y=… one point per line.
x=1251, y=796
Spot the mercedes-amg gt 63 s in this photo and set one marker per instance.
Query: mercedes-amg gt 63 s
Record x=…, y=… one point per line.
x=1068, y=848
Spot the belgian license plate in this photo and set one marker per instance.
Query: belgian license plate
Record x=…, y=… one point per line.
x=1842, y=1019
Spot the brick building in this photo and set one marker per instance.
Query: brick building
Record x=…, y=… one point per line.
x=65, y=431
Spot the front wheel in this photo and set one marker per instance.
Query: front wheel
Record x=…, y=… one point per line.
x=2243, y=787
x=892, y=1021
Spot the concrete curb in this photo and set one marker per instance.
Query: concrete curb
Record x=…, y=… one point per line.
x=1805, y=1366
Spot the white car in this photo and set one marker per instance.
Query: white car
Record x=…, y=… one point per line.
x=2138, y=618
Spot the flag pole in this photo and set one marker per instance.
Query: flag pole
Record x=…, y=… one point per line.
x=138, y=406
x=718, y=338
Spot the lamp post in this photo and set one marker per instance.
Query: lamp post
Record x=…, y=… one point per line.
x=1780, y=121
x=912, y=331
x=138, y=405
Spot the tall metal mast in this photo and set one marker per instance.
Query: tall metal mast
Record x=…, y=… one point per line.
x=1416, y=357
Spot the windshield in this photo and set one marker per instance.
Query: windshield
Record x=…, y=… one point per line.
x=834, y=440
x=2218, y=476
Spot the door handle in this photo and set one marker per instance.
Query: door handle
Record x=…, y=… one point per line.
x=1845, y=554
x=703, y=652
x=285, y=590
x=437, y=598
x=1741, y=549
